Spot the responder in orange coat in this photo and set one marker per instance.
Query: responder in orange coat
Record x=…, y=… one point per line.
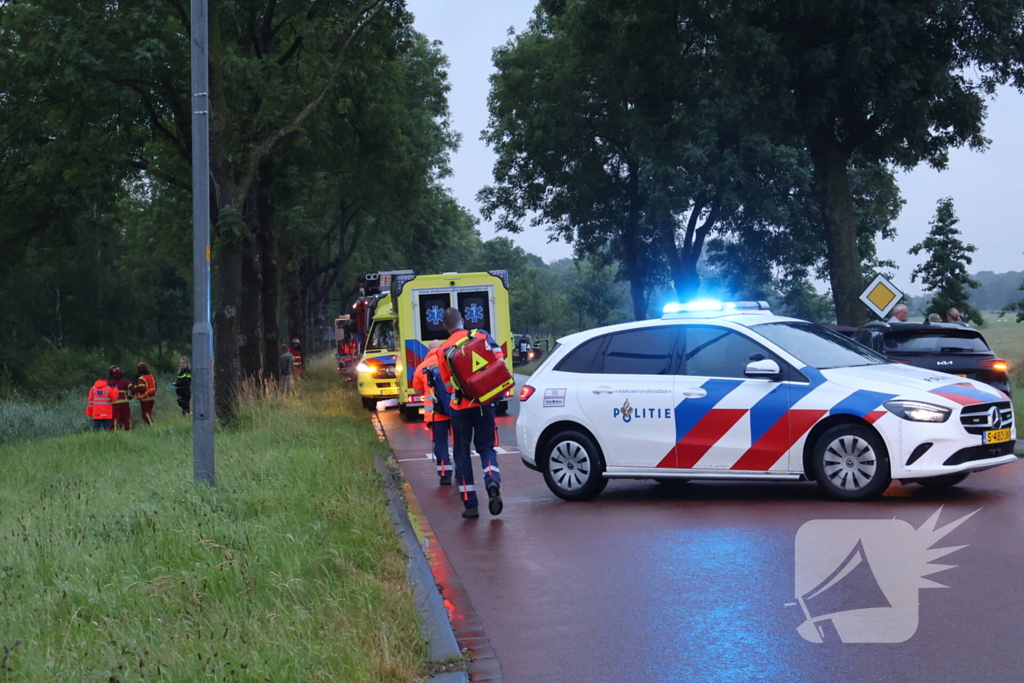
x=122, y=407
x=298, y=365
x=144, y=389
x=472, y=423
x=100, y=406
x=436, y=409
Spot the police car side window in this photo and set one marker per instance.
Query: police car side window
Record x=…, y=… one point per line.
x=580, y=359
x=719, y=352
x=647, y=351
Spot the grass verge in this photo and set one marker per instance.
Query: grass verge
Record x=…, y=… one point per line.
x=114, y=566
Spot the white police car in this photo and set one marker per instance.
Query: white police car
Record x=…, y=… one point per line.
x=730, y=391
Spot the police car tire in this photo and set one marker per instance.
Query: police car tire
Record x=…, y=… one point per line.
x=595, y=481
x=945, y=481
x=880, y=479
x=370, y=404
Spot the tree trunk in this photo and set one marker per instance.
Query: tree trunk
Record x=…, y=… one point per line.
x=228, y=246
x=270, y=286
x=832, y=188
x=294, y=308
x=632, y=247
x=250, y=348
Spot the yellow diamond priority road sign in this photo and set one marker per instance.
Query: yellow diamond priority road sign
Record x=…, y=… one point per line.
x=881, y=296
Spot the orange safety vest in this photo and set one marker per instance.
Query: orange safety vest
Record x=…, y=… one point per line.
x=420, y=386
x=101, y=401
x=145, y=390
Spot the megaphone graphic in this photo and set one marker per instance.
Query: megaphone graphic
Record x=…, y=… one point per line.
x=851, y=586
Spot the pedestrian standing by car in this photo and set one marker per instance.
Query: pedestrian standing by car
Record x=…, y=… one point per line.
x=472, y=423
x=934, y=318
x=436, y=409
x=183, y=385
x=122, y=404
x=100, y=406
x=144, y=389
x=285, y=366
x=524, y=349
x=899, y=314
x=953, y=317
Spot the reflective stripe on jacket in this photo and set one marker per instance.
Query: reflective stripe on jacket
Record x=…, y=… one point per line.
x=145, y=388
x=101, y=401
x=421, y=386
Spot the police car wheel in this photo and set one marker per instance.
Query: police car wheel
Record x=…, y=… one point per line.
x=945, y=481
x=370, y=404
x=573, y=466
x=850, y=463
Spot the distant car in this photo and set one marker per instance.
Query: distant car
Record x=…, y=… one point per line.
x=953, y=349
x=845, y=330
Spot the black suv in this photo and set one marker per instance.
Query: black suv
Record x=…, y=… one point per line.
x=944, y=347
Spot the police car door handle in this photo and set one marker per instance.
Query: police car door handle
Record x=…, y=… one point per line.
x=604, y=390
x=694, y=393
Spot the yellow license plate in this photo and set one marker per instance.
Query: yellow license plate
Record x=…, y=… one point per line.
x=997, y=436
x=960, y=375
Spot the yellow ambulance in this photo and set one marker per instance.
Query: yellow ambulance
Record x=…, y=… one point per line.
x=419, y=303
x=379, y=368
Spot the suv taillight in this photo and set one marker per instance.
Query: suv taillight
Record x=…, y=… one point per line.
x=526, y=392
x=995, y=363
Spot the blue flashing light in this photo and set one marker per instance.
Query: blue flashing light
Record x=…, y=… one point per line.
x=696, y=306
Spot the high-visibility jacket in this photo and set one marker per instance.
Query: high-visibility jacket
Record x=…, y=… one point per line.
x=145, y=388
x=421, y=386
x=123, y=390
x=460, y=402
x=296, y=362
x=101, y=401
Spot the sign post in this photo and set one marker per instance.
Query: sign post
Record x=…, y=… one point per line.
x=202, y=331
x=881, y=296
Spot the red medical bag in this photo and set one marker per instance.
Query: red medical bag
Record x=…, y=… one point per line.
x=477, y=372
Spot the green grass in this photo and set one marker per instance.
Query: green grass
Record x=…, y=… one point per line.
x=114, y=566
x=22, y=419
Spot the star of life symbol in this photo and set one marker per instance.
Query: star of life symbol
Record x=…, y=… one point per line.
x=474, y=313
x=857, y=579
x=435, y=315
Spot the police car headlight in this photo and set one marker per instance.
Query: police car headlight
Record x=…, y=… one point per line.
x=916, y=411
x=363, y=367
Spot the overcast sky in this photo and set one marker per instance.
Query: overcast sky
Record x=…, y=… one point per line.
x=987, y=189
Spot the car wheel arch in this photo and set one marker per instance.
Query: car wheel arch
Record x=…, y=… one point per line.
x=563, y=425
x=828, y=423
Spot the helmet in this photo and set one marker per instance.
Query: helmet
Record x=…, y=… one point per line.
x=112, y=368
x=143, y=367
x=116, y=371
x=295, y=341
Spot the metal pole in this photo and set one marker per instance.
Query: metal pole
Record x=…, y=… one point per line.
x=202, y=331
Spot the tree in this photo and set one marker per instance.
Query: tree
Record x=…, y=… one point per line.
x=895, y=82
x=944, y=274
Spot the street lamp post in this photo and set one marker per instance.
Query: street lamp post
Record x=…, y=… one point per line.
x=202, y=331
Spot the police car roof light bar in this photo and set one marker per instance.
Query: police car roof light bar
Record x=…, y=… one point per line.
x=706, y=306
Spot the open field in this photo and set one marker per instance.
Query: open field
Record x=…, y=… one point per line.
x=1006, y=338
x=114, y=566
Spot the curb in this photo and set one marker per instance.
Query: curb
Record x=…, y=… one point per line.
x=435, y=627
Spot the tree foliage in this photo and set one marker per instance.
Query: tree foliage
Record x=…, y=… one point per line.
x=945, y=274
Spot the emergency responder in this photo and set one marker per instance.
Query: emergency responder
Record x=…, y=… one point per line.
x=286, y=366
x=524, y=349
x=100, y=406
x=298, y=365
x=436, y=408
x=144, y=389
x=183, y=385
x=122, y=405
x=472, y=423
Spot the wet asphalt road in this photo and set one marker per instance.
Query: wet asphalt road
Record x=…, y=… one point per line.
x=690, y=583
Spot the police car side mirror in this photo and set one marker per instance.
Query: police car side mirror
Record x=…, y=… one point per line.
x=763, y=369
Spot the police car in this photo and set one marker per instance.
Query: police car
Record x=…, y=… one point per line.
x=731, y=391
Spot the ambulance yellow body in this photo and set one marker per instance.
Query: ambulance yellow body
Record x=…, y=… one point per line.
x=419, y=303
x=377, y=375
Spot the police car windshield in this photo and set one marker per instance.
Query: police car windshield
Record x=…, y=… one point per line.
x=817, y=346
